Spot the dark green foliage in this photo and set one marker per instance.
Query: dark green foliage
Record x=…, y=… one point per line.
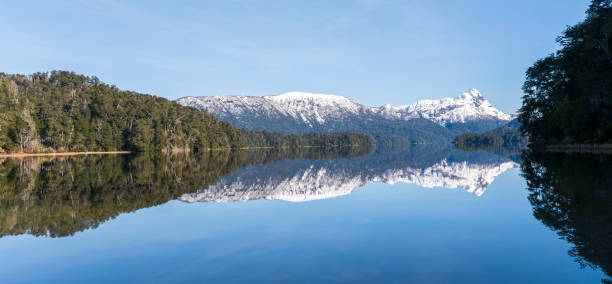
x=478, y=141
x=572, y=195
x=414, y=131
x=504, y=140
x=277, y=140
x=64, y=112
x=568, y=95
x=511, y=135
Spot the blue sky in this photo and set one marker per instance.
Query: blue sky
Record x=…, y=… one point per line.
x=373, y=51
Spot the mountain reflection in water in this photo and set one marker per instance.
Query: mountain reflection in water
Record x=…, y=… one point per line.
x=58, y=197
x=299, y=180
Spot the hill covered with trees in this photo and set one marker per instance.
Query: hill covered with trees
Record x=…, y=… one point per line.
x=568, y=95
x=62, y=111
x=506, y=139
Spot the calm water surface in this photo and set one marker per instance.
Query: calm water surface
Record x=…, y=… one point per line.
x=416, y=215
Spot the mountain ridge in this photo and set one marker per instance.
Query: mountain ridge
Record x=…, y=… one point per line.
x=301, y=112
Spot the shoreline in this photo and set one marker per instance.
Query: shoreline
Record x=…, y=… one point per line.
x=55, y=154
x=575, y=148
x=60, y=154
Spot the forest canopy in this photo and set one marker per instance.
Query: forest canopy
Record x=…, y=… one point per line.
x=568, y=95
x=62, y=111
x=506, y=139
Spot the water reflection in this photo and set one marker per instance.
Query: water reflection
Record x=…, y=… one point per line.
x=299, y=180
x=60, y=196
x=572, y=195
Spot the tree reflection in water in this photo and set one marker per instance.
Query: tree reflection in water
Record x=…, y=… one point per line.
x=572, y=195
x=58, y=197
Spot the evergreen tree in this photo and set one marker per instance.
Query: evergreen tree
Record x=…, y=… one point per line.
x=568, y=95
x=61, y=111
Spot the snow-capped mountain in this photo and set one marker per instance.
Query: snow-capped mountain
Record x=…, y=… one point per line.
x=316, y=108
x=304, y=109
x=298, y=112
x=467, y=107
x=301, y=180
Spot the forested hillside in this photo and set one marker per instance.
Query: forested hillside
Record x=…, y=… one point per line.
x=568, y=95
x=62, y=111
x=506, y=136
x=277, y=140
x=505, y=139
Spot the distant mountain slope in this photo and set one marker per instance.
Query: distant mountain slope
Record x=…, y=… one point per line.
x=298, y=112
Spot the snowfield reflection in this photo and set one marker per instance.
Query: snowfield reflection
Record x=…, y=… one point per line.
x=299, y=180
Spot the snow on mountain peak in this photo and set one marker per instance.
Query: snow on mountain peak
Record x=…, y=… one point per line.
x=315, y=110
x=313, y=100
x=473, y=94
x=468, y=106
x=306, y=95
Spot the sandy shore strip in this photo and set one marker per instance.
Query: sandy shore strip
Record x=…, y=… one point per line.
x=24, y=155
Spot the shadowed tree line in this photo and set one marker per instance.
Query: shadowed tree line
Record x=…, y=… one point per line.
x=506, y=141
x=568, y=95
x=478, y=141
x=572, y=195
x=314, y=139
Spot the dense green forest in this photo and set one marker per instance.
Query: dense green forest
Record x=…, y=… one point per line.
x=568, y=95
x=570, y=194
x=62, y=111
x=275, y=139
x=58, y=197
x=477, y=141
x=505, y=139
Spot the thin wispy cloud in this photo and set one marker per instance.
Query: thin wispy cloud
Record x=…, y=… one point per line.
x=395, y=49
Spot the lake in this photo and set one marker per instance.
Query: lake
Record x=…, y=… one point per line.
x=419, y=214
